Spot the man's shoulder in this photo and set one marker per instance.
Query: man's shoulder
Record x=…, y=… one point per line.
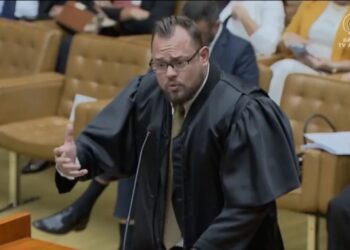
x=236, y=40
x=238, y=46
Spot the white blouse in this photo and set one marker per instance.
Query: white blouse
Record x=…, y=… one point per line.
x=323, y=31
x=269, y=17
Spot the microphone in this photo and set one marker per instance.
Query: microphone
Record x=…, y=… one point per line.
x=134, y=189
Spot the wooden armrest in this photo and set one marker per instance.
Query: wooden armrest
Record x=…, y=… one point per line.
x=14, y=227
x=304, y=198
x=85, y=112
x=310, y=179
x=29, y=97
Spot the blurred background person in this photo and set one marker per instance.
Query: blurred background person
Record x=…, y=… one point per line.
x=233, y=54
x=260, y=22
x=30, y=9
x=134, y=17
x=313, y=36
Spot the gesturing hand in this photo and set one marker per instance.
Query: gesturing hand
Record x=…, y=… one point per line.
x=65, y=157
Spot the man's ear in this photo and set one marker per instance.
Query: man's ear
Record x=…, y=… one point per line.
x=204, y=55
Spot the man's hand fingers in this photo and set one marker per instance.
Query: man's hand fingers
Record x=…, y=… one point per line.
x=58, y=151
x=78, y=173
x=64, y=160
x=71, y=170
x=69, y=134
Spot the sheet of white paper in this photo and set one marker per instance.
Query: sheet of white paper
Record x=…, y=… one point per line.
x=77, y=100
x=337, y=143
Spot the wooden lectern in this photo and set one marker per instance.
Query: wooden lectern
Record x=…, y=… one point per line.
x=15, y=233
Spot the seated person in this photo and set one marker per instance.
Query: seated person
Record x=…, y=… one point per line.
x=260, y=22
x=134, y=17
x=29, y=10
x=313, y=35
x=233, y=54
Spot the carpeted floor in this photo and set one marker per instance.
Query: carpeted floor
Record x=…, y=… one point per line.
x=102, y=231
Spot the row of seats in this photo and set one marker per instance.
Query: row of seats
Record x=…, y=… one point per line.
x=35, y=107
x=27, y=48
x=323, y=175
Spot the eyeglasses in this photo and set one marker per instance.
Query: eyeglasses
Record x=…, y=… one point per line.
x=179, y=65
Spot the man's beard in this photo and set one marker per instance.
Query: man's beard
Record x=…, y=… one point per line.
x=180, y=97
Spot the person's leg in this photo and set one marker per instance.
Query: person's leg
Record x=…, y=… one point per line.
x=280, y=70
x=63, y=52
x=125, y=187
x=36, y=165
x=338, y=221
x=76, y=215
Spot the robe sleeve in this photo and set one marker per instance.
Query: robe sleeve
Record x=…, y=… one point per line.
x=259, y=164
x=108, y=145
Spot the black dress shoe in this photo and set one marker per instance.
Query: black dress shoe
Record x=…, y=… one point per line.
x=63, y=222
x=36, y=166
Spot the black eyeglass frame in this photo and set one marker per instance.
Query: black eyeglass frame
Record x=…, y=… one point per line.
x=151, y=62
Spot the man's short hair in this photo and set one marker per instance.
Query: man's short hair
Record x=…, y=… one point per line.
x=165, y=28
x=201, y=10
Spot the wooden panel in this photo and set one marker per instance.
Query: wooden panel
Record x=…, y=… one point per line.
x=32, y=244
x=14, y=227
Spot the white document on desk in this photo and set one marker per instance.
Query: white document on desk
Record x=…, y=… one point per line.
x=77, y=100
x=337, y=143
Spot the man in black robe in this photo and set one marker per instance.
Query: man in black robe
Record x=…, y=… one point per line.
x=231, y=159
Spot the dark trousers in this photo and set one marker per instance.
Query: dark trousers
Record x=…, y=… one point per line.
x=63, y=51
x=338, y=221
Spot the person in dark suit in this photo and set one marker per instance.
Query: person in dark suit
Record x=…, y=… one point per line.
x=233, y=54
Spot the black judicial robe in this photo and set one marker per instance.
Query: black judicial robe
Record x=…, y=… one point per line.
x=232, y=158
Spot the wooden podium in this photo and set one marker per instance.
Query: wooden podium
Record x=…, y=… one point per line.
x=15, y=233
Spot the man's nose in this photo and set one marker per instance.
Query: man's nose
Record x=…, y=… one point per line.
x=170, y=71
